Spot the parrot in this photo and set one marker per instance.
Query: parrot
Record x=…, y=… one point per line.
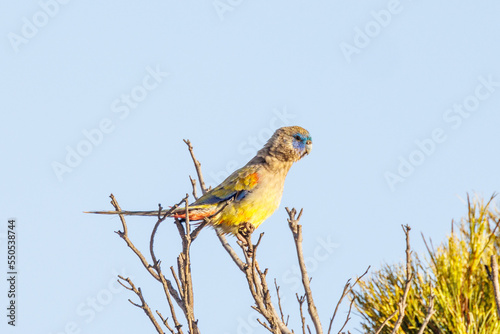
x=251, y=194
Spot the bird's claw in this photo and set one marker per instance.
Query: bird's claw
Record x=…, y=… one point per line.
x=245, y=231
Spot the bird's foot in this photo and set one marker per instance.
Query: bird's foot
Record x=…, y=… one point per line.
x=245, y=230
x=242, y=239
x=244, y=235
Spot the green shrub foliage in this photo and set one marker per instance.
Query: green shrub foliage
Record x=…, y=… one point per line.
x=455, y=272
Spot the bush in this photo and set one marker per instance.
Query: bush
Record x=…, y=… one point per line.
x=454, y=273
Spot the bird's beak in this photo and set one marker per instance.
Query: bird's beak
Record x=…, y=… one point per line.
x=309, y=146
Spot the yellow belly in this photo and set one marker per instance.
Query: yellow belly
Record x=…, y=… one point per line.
x=253, y=209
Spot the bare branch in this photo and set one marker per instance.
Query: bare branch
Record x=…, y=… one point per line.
x=230, y=251
x=409, y=277
x=169, y=290
x=166, y=284
x=124, y=236
x=174, y=293
x=279, y=302
x=197, y=165
x=184, y=279
x=301, y=300
x=179, y=287
x=155, y=228
x=165, y=322
x=265, y=325
x=386, y=321
x=347, y=289
x=256, y=280
x=193, y=183
x=430, y=312
x=155, y=269
x=348, y=316
x=198, y=229
x=144, y=306
x=297, y=236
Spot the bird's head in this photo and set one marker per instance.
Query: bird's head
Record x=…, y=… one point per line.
x=290, y=143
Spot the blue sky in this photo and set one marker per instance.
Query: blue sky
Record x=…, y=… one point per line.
x=401, y=99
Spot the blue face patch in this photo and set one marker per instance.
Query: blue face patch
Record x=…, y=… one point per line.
x=300, y=141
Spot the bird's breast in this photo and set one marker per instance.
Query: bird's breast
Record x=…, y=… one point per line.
x=256, y=206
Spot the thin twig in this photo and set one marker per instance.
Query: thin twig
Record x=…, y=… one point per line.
x=198, y=229
x=430, y=312
x=144, y=306
x=165, y=322
x=409, y=277
x=230, y=251
x=297, y=236
x=301, y=300
x=347, y=289
x=193, y=183
x=348, y=316
x=155, y=228
x=169, y=290
x=264, y=325
x=197, y=165
x=279, y=301
x=174, y=293
x=176, y=279
x=386, y=321
x=124, y=236
x=154, y=270
x=256, y=280
x=184, y=269
x=184, y=297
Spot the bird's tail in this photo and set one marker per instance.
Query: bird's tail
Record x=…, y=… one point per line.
x=129, y=213
x=195, y=212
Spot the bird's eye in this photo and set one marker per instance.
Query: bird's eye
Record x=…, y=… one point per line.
x=297, y=137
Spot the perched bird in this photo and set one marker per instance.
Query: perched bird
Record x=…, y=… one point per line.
x=252, y=193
